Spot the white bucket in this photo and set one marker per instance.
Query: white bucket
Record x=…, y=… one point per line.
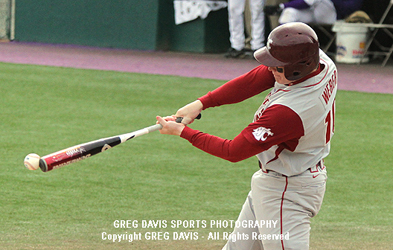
x=350, y=41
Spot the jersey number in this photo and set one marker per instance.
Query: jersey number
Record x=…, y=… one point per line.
x=330, y=123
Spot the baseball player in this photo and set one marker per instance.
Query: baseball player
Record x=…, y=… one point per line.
x=290, y=135
x=236, y=26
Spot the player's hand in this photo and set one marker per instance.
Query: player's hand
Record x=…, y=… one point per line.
x=170, y=126
x=190, y=112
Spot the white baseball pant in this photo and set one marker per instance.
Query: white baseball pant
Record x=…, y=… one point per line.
x=236, y=23
x=290, y=202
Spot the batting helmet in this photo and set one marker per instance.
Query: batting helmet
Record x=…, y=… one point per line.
x=293, y=46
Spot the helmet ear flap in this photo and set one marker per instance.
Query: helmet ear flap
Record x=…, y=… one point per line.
x=300, y=69
x=292, y=73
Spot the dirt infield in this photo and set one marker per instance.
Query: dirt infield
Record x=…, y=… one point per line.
x=369, y=77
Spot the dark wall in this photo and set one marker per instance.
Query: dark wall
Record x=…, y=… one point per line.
x=120, y=23
x=375, y=9
x=130, y=24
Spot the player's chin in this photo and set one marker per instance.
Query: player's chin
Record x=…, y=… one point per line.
x=277, y=77
x=282, y=80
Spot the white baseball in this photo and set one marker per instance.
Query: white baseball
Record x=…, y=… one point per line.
x=32, y=161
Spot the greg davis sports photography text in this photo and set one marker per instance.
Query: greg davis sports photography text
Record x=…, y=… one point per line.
x=191, y=230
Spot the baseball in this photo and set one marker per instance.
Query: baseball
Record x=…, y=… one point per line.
x=32, y=161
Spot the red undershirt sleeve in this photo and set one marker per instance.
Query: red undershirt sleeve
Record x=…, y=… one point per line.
x=241, y=88
x=279, y=125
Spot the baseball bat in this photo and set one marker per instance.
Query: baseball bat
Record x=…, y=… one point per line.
x=82, y=151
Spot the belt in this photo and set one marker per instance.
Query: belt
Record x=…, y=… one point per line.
x=318, y=167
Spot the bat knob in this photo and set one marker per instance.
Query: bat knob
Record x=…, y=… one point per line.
x=180, y=119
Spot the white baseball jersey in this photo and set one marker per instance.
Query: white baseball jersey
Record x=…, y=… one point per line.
x=317, y=119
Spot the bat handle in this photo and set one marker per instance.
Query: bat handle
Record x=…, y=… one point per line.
x=154, y=128
x=180, y=119
x=126, y=137
x=159, y=126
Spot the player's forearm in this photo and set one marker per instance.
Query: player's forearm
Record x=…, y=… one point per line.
x=279, y=125
x=234, y=150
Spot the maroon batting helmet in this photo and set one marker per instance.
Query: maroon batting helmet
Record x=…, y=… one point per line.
x=293, y=46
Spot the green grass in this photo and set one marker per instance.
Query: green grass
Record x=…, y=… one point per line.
x=158, y=177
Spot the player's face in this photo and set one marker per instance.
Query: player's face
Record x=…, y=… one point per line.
x=278, y=73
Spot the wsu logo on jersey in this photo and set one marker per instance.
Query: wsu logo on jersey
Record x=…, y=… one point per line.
x=262, y=133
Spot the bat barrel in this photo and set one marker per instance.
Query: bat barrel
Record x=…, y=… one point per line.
x=86, y=150
x=77, y=153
